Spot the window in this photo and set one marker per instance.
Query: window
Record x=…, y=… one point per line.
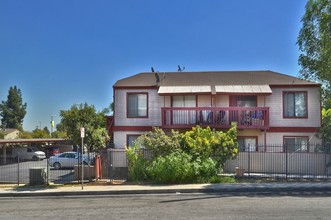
x=63, y=155
x=184, y=116
x=295, y=104
x=137, y=105
x=184, y=101
x=247, y=143
x=246, y=101
x=72, y=156
x=243, y=117
x=296, y=144
x=131, y=139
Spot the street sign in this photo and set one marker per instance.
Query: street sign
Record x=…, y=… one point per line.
x=82, y=132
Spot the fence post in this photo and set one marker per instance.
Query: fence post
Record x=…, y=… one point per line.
x=249, y=163
x=47, y=172
x=18, y=169
x=327, y=153
x=286, y=162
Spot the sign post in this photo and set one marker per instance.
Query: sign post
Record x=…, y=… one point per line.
x=82, y=135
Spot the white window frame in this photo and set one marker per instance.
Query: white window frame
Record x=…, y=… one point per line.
x=250, y=144
x=295, y=104
x=298, y=145
x=137, y=105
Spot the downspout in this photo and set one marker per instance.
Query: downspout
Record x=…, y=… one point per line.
x=265, y=131
x=213, y=104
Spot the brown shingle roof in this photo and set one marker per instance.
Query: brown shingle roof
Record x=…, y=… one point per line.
x=264, y=77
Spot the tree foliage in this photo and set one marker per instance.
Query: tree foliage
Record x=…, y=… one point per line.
x=25, y=135
x=38, y=133
x=314, y=41
x=203, y=143
x=325, y=130
x=84, y=115
x=160, y=143
x=109, y=109
x=59, y=134
x=46, y=130
x=13, y=110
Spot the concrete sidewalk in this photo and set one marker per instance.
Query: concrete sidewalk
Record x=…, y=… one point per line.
x=161, y=189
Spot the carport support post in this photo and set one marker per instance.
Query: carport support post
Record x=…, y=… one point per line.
x=47, y=172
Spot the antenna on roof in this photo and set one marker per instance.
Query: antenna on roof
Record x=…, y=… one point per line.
x=157, y=77
x=180, y=69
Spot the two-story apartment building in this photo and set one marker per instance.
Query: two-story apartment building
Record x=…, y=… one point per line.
x=269, y=108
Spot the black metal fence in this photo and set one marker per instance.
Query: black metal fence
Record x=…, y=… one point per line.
x=276, y=161
x=291, y=161
x=14, y=171
x=312, y=162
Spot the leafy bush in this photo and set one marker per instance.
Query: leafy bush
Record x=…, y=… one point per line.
x=159, y=143
x=173, y=168
x=204, y=170
x=204, y=143
x=137, y=166
x=195, y=156
x=178, y=167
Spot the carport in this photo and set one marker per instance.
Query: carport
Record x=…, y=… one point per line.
x=5, y=142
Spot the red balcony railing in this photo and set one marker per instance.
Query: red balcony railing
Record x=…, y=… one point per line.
x=215, y=117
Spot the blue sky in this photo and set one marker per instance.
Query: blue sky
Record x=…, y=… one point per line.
x=72, y=51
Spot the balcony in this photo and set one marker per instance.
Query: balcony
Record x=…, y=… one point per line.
x=215, y=117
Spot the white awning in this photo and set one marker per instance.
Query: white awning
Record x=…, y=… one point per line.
x=228, y=89
x=184, y=89
x=256, y=89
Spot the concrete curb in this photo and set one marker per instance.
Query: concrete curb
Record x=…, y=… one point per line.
x=207, y=189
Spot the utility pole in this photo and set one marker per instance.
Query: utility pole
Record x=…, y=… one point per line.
x=52, y=125
x=82, y=135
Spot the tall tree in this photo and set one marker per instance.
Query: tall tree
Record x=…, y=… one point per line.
x=109, y=109
x=325, y=130
x=40, y=133
x=84, y=115
x=314, y=41
x=46, y=130
x=13, y=110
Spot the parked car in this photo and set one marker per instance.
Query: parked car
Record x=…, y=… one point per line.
x=51, y=151
x=66, y=160
x=27, y=153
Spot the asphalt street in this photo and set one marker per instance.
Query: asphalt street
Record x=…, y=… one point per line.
x=169, y=206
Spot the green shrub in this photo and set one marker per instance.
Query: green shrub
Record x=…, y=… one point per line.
x=160, y=143
x=136, y=164
x=204, y=143
x=178, y=167
x=173, y=168
x=204, y=170
x=195, y=156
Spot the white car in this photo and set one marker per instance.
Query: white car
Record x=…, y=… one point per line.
x=66, y=160
x=27, y=153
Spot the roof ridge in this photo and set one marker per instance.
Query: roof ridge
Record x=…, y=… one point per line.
x=238, y=77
